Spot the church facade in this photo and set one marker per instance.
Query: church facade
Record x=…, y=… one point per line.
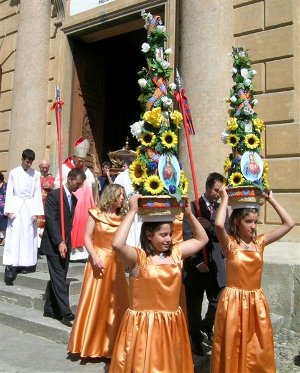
x=92, y=51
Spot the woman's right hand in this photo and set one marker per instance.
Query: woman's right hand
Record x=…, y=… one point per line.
x=97, y=263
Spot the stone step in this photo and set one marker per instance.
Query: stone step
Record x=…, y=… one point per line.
x=38, y=281
x=29, y=298
x=32, y=321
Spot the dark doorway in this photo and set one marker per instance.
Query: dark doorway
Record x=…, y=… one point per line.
x=105, y=90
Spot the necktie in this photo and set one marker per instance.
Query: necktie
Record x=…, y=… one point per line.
x=70, y=201
x=211, y=210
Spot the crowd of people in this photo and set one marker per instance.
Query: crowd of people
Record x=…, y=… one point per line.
x=153, y=321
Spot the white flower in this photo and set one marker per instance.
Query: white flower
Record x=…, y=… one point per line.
x=242, y=54
x=167, y=101
x=142, y=82
x=161, y=29
x=247, y=82
x=224, y=136
x=254, y=102
x=165, y=64
x=168, y=51
x=233, y=99
x=145, y=47
x=172, y=86
x=254, y=72
x=248, y=111
x=136, y=129
x=233, y=70
x=245, y=73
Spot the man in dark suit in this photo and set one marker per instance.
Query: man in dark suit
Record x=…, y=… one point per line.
x=200, y=277
x=58, y=250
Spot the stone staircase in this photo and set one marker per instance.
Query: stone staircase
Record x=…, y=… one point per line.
x=21, y=305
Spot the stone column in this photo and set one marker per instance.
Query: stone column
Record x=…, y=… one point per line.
x=206, y=38
x=29, y=107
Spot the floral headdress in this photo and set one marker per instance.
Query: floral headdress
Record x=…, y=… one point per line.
x=244, y=167
x=158, y=128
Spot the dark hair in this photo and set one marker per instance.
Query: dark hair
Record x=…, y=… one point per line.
x=76, y=172
x=28, y=154
x=212, y=178
x=1, y=177
x=151, y=227
x=106, y=163
x=238, y=215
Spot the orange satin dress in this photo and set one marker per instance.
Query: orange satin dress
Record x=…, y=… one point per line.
x=243, y=339
x=153, y=336
x=103, y=300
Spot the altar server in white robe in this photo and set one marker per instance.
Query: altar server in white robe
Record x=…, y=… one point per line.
x=23, y=204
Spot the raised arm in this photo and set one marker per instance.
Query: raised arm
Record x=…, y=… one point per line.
x=199, y=240
x=287, y=222
x=88, y=241
x=126, y=252
x=221, y=219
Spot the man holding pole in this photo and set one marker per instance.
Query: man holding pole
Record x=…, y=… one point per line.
x=57, y=248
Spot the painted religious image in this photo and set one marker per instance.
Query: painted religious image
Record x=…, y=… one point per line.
x=169, y=170
x=251, y=166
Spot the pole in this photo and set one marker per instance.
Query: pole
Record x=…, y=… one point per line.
x=188, y=128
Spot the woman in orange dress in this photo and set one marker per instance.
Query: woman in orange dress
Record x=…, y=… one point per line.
x=243, y=340
x=153, y=336
x=104, y=293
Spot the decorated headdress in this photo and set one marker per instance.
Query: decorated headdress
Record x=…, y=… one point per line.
x=245, y=170
x=81, y=148
x=156, y=172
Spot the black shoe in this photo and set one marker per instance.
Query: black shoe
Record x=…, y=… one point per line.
x=9, y=283
x=198, y=350
x=24, y=271
x=68, y=320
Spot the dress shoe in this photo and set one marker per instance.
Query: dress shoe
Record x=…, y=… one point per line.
x=68, y=320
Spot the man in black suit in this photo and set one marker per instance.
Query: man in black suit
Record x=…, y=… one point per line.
x=199, y=277
x=58, y=250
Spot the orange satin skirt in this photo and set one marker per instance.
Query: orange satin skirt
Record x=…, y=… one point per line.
x=243, y=340
x=102, y=304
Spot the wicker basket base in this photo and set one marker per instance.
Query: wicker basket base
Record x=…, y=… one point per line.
x=245, y=197
x=160, y=206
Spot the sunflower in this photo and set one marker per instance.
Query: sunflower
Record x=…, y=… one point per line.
x=148, y=139
x=252, y=141
x=177, y=118
x=236, y=179
x=261, y=144
x=266, y=167
x=233, y=140
x=154, y=185
x=258, y=124
x=232, y=124
x=153, y=117
x=137, y=172
x=265, y=182
x=227, y=164
x=169, y=139
x=183, y=184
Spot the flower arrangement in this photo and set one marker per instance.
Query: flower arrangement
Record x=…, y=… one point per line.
x=156, y=170
x=244, y=167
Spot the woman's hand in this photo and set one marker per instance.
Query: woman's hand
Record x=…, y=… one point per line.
x=223, y=193
x=133, y=202
x=268, y=195
x=187, y=209
x=98, y=264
